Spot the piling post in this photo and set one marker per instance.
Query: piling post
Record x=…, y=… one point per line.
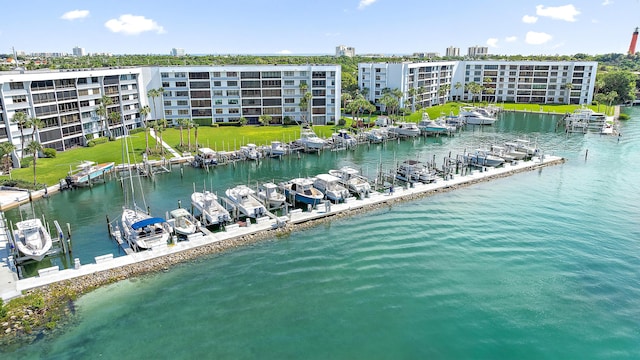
x=108, y=226
x=69, y=247
x=586, y=153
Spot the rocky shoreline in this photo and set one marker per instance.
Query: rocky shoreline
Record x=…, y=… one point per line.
x=42, y=310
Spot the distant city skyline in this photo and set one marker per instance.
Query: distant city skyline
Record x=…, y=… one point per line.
x=370, y=26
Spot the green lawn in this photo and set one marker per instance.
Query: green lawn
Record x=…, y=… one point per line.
x=50, y=171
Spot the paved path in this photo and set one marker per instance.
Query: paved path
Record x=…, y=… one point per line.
x=165, y=145
x=8, y=276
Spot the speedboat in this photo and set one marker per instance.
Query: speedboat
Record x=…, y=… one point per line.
x=483, y=158
x=32, y=239
x=276, y=149
x=435, y=127
x=352, y=180
x=375, y=136
x=250, y=152
x=184, y=223
x=502, y=152
x=205, y=157
x=242, y=197
x=473, y=116
x=269, y=193
x=331, y=187
x=404, y=129
x=303, y=191
x=526, y=147
x=309, y=140
x=607, y=129
x=511, y=148
x=343, y=138
x=207, y=204
x=413, y=171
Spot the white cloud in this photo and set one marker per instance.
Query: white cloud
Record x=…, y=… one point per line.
x=529, y=19
x=565, y=12
x=364, y=3
x=284, y=52
x=537, y=38
x=492, y=42
x=133, y=24
x=607, y=2
x=510, y=38
x=75, y=14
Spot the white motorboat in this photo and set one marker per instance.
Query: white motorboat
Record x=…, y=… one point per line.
x=483, y=158
x=243, y=198
x=352, y=180
x=502, y=152
x=32, y=239
x=343, y=138
x=404, y=129
x=309, y=140
x=375, y=136
x=438, y=126
x=276, y=149
x=607, y=129
x=183, y=222
x=205, y=157
x=250, y=152
x=413, y=171
x=86, y=172
x=331, y=187
x=269, y=192
x=511, y=148
x=206, y=202
x=474, y=116
x=526, y=147
x=303, y=191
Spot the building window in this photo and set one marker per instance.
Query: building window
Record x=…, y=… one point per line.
x=232, y=83
x=16, y=85
x=164, y=75
x=217, y=83
x=167, y=103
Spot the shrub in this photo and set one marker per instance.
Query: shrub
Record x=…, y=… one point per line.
x=89, y=136
x=203, y=122
x=288, y=121
x=230, y=123
x=100, y=140
x=26, y=162
x=136, y=130
x=342, y=122
x=49, y=153
x=624, y=116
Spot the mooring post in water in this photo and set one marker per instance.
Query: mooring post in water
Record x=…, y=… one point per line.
x=108, y=225
x=70, y=249
x=148, y=210
x=179, y=204
x=586, y=153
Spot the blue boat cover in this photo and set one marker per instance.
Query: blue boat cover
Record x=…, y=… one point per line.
x=145, y=222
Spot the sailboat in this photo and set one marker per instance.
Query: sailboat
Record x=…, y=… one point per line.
x=138, y=228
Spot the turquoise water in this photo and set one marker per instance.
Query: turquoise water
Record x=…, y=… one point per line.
x=542, y=264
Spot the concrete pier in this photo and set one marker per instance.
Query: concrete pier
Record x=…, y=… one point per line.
x=10, y=286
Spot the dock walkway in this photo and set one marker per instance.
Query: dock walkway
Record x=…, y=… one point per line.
x=264, y=224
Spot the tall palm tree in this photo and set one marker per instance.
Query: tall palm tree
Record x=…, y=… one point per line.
x=34, y=148
x=159, y=128
x=345, y=97
x=195, y=133
x=412, y=93
x=181, y=124
x=114, y=117
x=144, y=112
x=364, y=92
x=305, y=102
x=189, y=126
x=22, y=120
x=443, y=91
x=153, y=94
x=568, y=86
x=36, y=124
x=6, y=148
x=458, y=86
x=103, y=113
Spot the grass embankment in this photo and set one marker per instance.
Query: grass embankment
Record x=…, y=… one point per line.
x=50, y=170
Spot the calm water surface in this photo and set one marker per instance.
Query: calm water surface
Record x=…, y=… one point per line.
x=543, y=264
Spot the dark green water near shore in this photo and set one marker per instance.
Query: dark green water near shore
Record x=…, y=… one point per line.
x=540, y=264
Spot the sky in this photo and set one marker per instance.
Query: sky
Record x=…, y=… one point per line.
x=304, y=27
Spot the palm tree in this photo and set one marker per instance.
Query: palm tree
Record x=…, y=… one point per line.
x=114, y=117
x=345, y=97
x=412, y=92
x=21, y=119
x=458, y=86
x=153, y=94
x=568, y=87
x=160, y=126
x=103, y=113
x=189, y=126
x=305, y=102
x=34, y=147
x=6, y=148
x=364, y=92
x=144, y=111
x=181, y=124
x=195, y=133
x=36, y=124
x=443, y=91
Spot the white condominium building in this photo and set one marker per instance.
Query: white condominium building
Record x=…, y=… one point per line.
x=67, y=101
x=541, y=82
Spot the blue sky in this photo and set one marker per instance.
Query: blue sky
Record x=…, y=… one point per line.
x=318, y=26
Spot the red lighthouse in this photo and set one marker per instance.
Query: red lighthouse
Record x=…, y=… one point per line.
x=634, y=39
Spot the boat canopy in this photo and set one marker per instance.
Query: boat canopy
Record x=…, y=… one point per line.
x=146, y=222
x=179, y=213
